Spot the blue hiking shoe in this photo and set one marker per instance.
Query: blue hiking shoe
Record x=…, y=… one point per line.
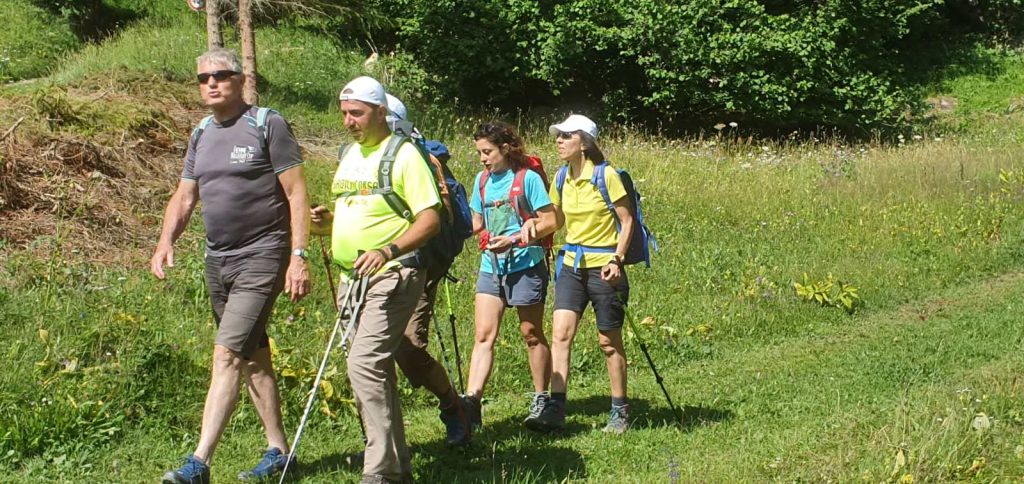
x=271, y=464
x=195, y=471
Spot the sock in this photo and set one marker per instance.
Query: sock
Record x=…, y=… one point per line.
x=558, y=397
x=620, y=401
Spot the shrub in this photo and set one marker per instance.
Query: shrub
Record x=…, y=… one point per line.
x=766, y=64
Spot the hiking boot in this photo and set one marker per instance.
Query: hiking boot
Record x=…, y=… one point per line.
x=537, y=404
x=471, y=406
x=376, y=479
x=552, y=417
x=618, y=420
x=195, y=471
x=271, y=464
x=456, y=423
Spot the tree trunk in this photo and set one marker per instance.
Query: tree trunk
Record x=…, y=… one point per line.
x=248, y=50
x=214, y=37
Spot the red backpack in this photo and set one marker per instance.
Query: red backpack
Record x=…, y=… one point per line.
x=520, y=203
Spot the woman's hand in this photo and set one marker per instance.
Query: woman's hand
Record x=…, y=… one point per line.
x=500, y=244
x=612, y=272
x=528, y=233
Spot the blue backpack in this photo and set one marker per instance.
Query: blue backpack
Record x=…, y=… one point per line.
x=456, y=219
x=641, y=239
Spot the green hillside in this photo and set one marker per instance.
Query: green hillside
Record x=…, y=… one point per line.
x=107, y=367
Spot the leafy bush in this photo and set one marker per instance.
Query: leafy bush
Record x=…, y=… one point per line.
x=765, y=64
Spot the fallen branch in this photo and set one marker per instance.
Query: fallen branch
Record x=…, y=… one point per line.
x=12, y=128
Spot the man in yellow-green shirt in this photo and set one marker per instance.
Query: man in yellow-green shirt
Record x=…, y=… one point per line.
x=372, y=238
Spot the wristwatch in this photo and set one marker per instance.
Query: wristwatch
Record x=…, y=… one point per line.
x=394, y=251
x=300, y=253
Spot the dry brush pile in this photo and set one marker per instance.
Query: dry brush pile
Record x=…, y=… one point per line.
x=86, y=169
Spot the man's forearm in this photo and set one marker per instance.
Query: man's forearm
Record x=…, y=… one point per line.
x=176, y=218
x=426, y=225
x=298, y=205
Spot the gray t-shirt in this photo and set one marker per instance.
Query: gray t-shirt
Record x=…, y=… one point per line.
x=244, y=206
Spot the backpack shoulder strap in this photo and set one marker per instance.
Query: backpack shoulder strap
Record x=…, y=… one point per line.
x=385, y=174
x=483, y=185
x=517, y=195
x=342, y=151
x=204, y=123
x=599, y=181
x=560, y=176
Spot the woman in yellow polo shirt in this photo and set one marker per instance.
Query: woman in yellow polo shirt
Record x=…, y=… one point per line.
x=591, y=272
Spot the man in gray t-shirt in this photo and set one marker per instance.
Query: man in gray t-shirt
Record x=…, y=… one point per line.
x=244, y=163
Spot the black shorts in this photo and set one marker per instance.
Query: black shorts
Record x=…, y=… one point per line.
x=575, y=289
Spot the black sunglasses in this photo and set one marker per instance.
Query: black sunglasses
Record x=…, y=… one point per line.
x=566, y=136
x=204, y=77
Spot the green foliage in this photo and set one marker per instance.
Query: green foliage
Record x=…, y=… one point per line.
x=769, y=65
x=31, y=41
x=829, y=293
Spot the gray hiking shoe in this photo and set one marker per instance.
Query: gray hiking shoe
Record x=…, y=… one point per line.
x=551, y=418
x=618, y=420
x=537, y=404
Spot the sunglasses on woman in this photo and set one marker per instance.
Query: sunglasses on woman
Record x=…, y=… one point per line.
x=566, y=136
x=204, y=77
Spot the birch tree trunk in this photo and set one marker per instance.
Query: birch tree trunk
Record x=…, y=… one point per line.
x=249, y=93
x=214, y=37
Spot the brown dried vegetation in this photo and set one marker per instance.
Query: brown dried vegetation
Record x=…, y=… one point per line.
x=89, y=168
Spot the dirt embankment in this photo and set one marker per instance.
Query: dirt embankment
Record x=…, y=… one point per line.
x=86, y=170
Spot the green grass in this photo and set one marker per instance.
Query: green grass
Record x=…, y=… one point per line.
x=779, y=388
x=31, y=41
x=106, y=368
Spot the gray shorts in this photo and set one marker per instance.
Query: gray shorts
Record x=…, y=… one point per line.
x=523, y=288
x=243, y=289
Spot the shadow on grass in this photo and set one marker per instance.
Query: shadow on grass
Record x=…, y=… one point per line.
x=505, y=452
x=644, y=414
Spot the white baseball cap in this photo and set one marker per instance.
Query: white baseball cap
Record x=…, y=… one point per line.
x=575, y=122
x=365, y=89
x=396, y=108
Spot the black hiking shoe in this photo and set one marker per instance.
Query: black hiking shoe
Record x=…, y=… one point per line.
x=537, y=404
x=456, y=423
x=471, y=407
x=552, y=417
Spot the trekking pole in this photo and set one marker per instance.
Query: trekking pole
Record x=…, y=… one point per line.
x=330, y=276
x=444, y=352
x=455, y=336
x=316, y=384
x=650, y=362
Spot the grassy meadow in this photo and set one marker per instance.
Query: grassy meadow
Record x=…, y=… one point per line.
x=822, y=310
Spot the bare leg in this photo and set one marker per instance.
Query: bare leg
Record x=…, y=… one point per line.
x=220, y=400
x=259, y=374
x=615, y=357
x=531, y=325
x=565, y=324
x=489, y=310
